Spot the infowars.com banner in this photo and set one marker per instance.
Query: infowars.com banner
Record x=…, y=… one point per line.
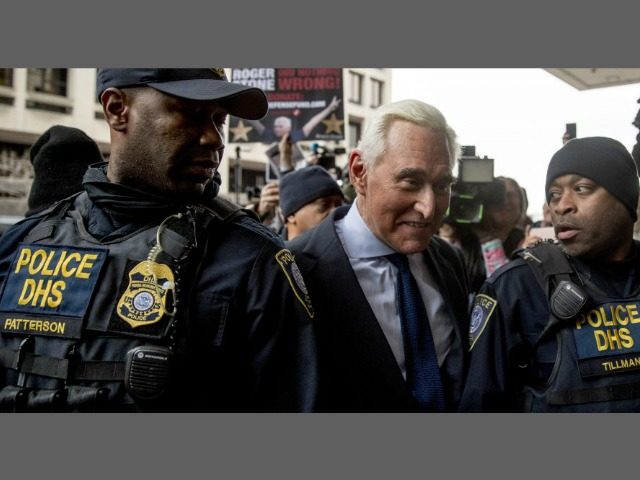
x=307, y=103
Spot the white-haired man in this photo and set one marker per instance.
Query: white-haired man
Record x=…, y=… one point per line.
x=391, y=298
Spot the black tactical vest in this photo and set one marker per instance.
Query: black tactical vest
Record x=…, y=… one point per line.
x=597, y=367
x=95, y=326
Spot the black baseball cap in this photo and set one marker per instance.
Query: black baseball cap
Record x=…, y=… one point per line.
x=191, y=83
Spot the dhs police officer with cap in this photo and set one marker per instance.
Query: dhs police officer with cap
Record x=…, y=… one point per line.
x=558, y=329
x=146, y=291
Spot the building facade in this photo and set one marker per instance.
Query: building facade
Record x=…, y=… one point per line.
x=31, y=101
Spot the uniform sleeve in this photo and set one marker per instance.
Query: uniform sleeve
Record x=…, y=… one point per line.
x=282, y=342
x=493, y=343
x=9, y=242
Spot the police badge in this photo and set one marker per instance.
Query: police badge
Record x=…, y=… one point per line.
x=144, y=300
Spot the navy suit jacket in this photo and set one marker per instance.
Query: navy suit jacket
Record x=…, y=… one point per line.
x=358, y=371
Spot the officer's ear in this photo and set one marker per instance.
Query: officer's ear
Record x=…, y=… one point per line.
x=115, y=105
x=291, y=219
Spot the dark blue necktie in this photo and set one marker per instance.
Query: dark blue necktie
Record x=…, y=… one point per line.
x=423, y=374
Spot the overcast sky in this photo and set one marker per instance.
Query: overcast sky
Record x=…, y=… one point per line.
x=518, y=116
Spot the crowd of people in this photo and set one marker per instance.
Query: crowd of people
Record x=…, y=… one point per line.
x=135, y=287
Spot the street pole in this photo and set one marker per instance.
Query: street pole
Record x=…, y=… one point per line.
x=238, y=175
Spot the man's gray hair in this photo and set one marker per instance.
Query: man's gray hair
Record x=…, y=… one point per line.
x=284, y=120
x=373, y=143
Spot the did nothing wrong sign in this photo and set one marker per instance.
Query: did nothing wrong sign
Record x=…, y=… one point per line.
x=304, y=102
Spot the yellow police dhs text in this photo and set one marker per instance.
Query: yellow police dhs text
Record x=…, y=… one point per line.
x=609, y=325
x=55, y=263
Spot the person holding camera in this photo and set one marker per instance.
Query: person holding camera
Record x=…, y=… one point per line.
x=557, y=329
x=489, y=243
x=267, y=200
x=391, y=298
x=264, y=202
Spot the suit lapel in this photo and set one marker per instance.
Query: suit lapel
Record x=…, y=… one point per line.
x=351, y=315
x=449, y=290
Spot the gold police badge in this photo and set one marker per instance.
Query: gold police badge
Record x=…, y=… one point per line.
x=144, y=302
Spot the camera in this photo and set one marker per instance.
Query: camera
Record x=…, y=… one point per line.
x=253, y=192
x=475, y=189
x=326, y=156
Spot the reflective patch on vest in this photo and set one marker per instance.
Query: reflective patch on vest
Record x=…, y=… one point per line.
x=146, y=300
x=49, y=288
x=287, y=262
x=482, y=310
x=607, y=333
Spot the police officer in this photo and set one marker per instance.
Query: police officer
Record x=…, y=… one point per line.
x=558, y=329
x=145, y=291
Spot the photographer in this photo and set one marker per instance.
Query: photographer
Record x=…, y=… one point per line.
x=264, y=201
x=504, y=217
x=488, y=242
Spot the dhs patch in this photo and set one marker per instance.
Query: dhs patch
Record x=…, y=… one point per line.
x=482, y=310
x=49, y=288
x=288, y=265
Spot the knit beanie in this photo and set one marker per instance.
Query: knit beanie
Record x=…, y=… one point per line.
x=304, y=186
x=603, y=160
x=60, y=158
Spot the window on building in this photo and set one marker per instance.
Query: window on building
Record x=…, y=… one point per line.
x=377, y=88
x=6, y=77
x=249, y=179
x=96, y=89
x=52, y=81
x=14, y=163
x=355, y=132
x=48, y=80
x=355, y=87
x=6, y=81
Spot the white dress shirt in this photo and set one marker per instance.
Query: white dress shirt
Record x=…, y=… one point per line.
x=377, y=278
